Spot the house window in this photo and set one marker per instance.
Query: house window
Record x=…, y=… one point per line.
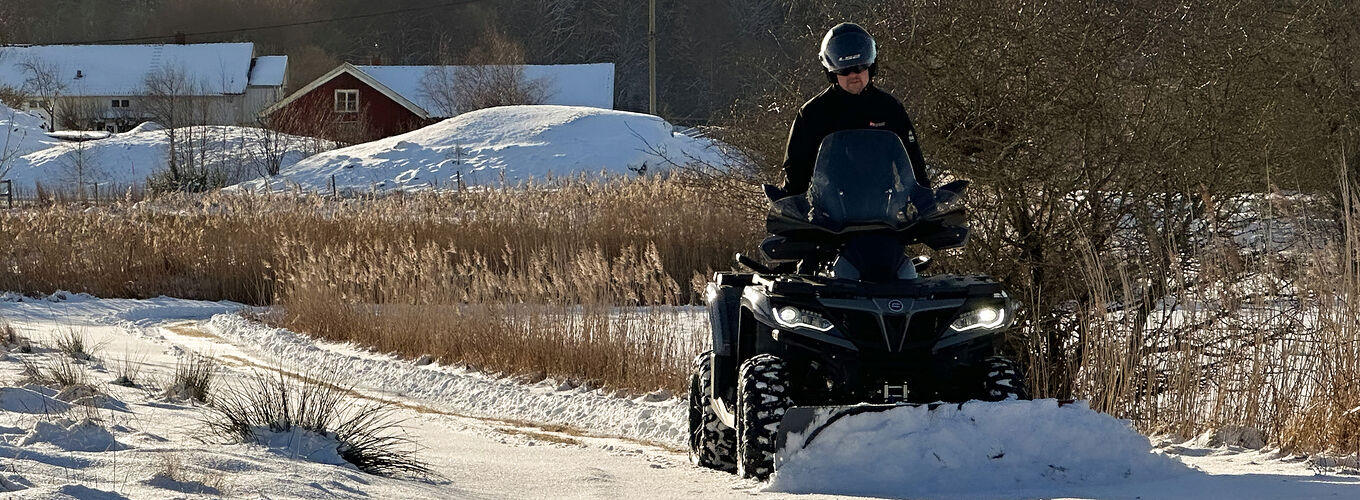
x=120, y=103
x=347, y=101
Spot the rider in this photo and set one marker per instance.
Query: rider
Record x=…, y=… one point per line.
x=852, y=101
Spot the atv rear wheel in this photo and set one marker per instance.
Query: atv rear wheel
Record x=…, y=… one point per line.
x=1003, y=380
x=710, y=442
x=761, y=402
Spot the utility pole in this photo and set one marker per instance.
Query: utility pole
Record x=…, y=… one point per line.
x=651, y=58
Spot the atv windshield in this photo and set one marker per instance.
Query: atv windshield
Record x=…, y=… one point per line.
x=863, y=177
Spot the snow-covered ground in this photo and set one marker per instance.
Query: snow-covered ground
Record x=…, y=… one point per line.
x=32, y=156
x=494, y=146
x=129, y=158
x=509, y=144
x=490, y=437
x=20, y=134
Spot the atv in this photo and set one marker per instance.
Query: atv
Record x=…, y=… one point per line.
x=839, y=320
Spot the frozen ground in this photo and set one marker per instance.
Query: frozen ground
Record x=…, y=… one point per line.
x=488, y=437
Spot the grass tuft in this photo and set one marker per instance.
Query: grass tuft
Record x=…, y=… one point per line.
x=61, y=373
x=76, y=344
x=193, y=378
x=366, y=434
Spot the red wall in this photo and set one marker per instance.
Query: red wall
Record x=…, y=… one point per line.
x=313, y=114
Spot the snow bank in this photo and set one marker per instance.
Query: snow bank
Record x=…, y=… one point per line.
x=20, y=134
x=517, y=142
x=467, y=392
x=1006, y=449
x=28, y=400
x=85, y=435
x=130, y=157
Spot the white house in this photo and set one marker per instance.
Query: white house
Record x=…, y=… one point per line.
x=109, y=87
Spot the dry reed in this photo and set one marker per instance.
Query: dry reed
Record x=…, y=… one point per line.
x=518, y=280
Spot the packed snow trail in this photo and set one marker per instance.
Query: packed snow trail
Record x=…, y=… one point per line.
x=489, y=437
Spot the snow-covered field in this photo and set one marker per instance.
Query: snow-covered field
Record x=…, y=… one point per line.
x=129, y=158
x=508, y=144
x=495, y=437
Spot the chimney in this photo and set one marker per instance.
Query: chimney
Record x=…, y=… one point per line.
x=180, y=38
x=80, y=74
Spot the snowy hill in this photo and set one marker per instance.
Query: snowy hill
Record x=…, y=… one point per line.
x=20, y=134
x=128, y=158
x=511, y=143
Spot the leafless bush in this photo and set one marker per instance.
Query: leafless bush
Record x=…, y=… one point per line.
x=367, y=434
x=491, y=75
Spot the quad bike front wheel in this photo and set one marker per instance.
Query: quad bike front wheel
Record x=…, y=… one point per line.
x=762, y=401
x=711, y=444
x=1003, y=380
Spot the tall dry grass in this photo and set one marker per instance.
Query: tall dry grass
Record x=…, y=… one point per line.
x=516, y=280
x=1255, y=337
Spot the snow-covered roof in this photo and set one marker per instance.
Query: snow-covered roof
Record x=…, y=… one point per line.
x=590, y=85
x=268, y=71
x=121, y=70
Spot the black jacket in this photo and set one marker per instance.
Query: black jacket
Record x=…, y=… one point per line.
x=835, y=110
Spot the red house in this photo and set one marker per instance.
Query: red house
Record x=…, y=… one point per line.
x=357, y=104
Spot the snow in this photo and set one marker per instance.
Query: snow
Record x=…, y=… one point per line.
x=491, y=437
x=21, y=133
x=590, y=85
x=29, y=400
x=517, y=142
x=121, y=70
x=85, y=435
x=80, y=135
x=983, y=449
x=268, y=71
x=130, y=157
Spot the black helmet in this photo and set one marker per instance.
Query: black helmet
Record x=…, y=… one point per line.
x=847, y=45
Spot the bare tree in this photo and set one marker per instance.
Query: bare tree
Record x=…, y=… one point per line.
x=167, y=100
x=492, y=75
x=42, y=79
x=171, y=98
x=78, y=113
x=266, y=148
x=79, y=168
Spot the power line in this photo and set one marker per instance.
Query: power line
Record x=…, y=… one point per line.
x=275, y=26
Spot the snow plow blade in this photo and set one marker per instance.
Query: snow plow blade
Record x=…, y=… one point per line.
x=802, y=424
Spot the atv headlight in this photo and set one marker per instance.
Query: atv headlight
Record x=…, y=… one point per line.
x=793, y=317
x=986, y=317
